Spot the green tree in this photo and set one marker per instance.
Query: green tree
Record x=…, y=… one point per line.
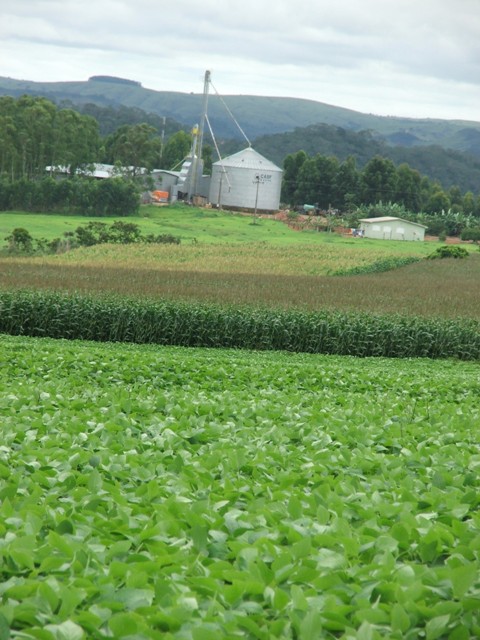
x=176, y=150
x=327, y=169
x=468, y=203
x=455, y=196
x=8, y=138
x=408, y=187
x=35, y=128
x=346, y=185
x=19, y=240
x=207, y=153
x=378, y=181
x=291, y=167
x=134, y=147
x=76, y=140
x=307, y=182
x=438, y=202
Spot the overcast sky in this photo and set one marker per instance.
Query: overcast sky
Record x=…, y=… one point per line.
x=418, y=58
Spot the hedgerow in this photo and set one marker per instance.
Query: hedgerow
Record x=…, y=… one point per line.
x=120, y=319
x=384, y=264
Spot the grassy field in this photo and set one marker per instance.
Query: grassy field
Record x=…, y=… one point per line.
x=193, y=494
x=189, y=223
x=192, y=224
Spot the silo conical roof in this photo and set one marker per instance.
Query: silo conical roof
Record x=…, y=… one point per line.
x=248, y=159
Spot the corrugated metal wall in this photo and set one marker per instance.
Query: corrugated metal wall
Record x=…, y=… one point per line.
x=247, y=181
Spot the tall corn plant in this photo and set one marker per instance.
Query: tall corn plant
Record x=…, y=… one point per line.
x=119, y=319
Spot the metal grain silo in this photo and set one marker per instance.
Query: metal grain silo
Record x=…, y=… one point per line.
x=246, y=180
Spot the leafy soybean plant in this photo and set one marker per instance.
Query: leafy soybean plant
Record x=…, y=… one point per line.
x=152, y=492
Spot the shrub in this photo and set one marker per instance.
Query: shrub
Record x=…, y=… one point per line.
x=471, y=234
x=19, y=241
x=448, y=251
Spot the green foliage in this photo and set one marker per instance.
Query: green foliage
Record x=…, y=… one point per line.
x=380, y=188
x=175, y=493
x=118, y=232
x=111, y=117
x=380, y=209
x=176, y=149
x=472, y=234
x=19, y=241
x=291, y=167
x=89, y=235
x=113, y=319
x=449, y=251
x=78, y=195
x=378, y=181
x=379, y=266
x=34, y=133
x=134, y=146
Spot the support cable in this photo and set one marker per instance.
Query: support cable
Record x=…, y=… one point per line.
x=231, y=115
x=217, y=150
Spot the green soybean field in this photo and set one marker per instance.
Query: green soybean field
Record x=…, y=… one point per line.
x=168, y=492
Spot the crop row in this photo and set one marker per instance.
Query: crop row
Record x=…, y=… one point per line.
x=119, y=319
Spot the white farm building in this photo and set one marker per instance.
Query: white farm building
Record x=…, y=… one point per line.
x=389, y=228
x=246, y=180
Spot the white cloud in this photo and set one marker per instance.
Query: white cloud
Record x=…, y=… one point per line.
x=399, y=58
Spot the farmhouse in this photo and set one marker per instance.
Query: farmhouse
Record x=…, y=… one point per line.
x=389, y=228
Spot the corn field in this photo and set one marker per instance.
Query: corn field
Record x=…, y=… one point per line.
x=120, y=319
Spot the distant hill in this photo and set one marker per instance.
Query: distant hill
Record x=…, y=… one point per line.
x=447, y=166
x=257, y=115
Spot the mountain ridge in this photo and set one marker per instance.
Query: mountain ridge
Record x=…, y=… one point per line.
x=258, y=115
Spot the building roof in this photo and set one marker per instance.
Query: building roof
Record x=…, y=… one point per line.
x=248, y=159
x=169, y=172
x=390, y=219
x=95, y=170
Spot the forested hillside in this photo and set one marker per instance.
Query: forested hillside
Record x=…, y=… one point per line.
x=258, y=115
x=446, y=166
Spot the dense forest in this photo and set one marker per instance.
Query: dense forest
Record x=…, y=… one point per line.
x=37, y=137
x=446, y=166
x=36, y=134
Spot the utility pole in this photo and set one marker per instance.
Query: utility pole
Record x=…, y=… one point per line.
x=257, y=180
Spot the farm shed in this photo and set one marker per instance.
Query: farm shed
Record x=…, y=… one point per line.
x=246, y=180
x=389, y=228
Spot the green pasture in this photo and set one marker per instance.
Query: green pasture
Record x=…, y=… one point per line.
x=191, y=494
x=50, y=226
x=204, y=226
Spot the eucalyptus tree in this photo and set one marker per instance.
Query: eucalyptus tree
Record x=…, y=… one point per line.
x=292, y=164
x=347, y=184
x=134, y=147
x=408, y=187
x=327, y=169
x=379, y=179
x=34, y=124
x=75, y=140
x=176, y=149
x=308, y=182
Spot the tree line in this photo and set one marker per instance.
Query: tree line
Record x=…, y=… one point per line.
x=113, y=197
x=36, y=134
x=328, y=183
